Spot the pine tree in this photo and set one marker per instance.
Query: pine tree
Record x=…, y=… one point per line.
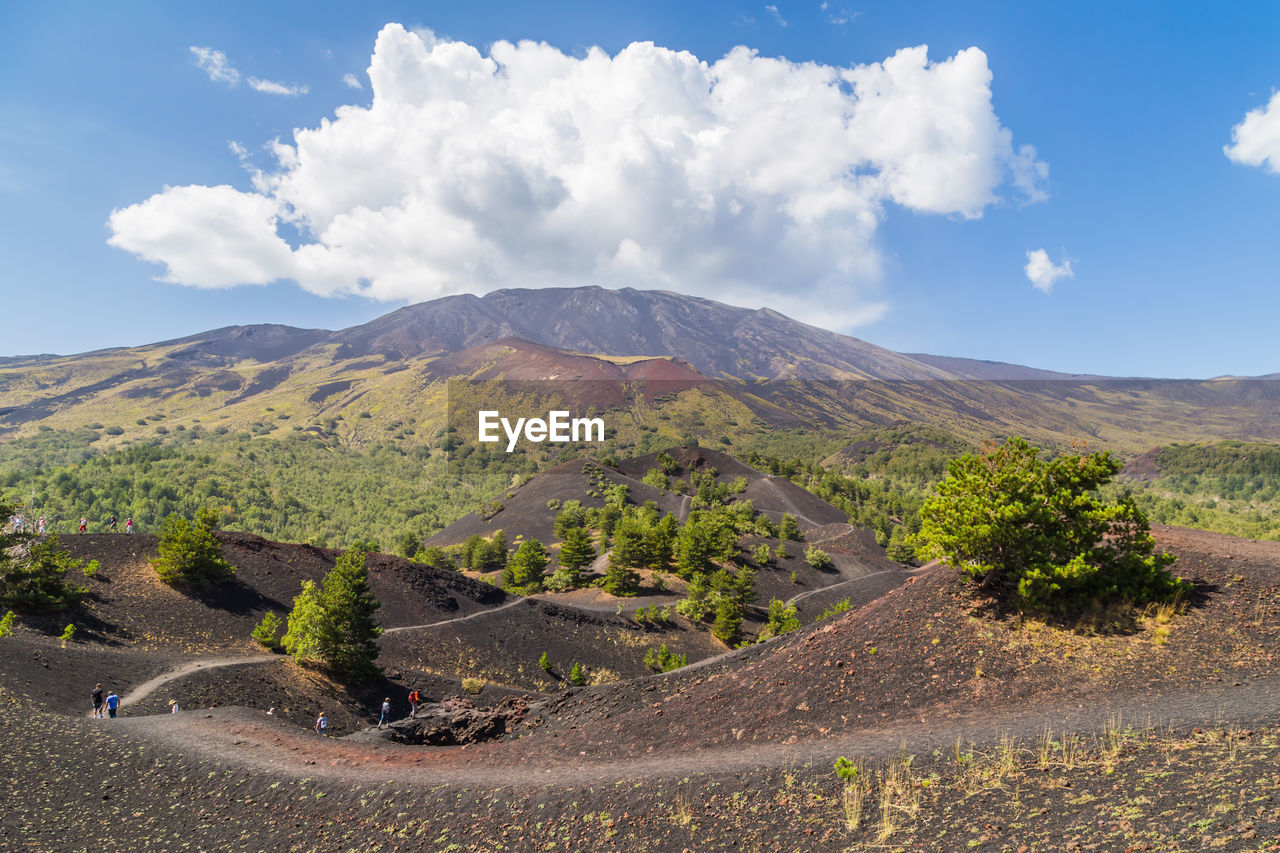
x=36, y=582
x=302, y=639
x=190, y=553
x=523, y=574
x=348, y=636
x=788, y=529
x=332, y=624
x=577, y=550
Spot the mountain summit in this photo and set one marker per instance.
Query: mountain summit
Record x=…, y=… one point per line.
x=719, y=340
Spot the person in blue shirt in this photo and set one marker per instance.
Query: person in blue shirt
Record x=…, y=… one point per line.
x=113, y=703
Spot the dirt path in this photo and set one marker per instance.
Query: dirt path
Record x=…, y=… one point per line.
x=793, y=599
x=476, y=615
x=847, y=529
x=146, y=688
x=245, y=738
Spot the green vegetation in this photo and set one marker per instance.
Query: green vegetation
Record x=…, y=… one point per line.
x=1035, y=534
x=523, y=572
x=35, y=581
x=782, y=619
x=267, y=632
x=578, y=674
x=68, y=634
x=1230, y=487
x=295, y=487
x=836, y=609
x=576, y=550
x=190, y=554
x=663, y=659
x=818, y=558
x=545, y=663
x=6, y=624
x=332, y=625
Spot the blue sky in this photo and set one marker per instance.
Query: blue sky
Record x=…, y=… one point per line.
x=893, y=238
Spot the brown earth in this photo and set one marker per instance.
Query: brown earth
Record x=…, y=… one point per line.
x=734, y=750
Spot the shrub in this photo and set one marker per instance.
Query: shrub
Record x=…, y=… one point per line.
x=834, y=610
x=656, y=478
x=664, y=660
x=578, y=674
x=1037, y=535
x=782, y=618
x=190, y=554
x=545, y=663
x=68, y=634
x=114, y=430
x=267, y=632
x=817, y=558
x=6, y=624
x=472, y=685
x=90, y=569
x=36, y=582
x=619, y=580
x=789, y=529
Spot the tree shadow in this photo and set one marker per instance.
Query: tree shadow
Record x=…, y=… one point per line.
x=1121, y=618
x=235, y=597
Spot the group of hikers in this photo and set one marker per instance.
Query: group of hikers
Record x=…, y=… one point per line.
x=106, y=704
x=18, y=523
x=384, y=716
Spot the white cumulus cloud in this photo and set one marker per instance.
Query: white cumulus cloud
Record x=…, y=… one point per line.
x=1255, y=141
x=215, y=64
x=271, y=87
x=1043, y=273
x=750, y=179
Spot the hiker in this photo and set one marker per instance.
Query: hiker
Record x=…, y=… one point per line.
x=98, y=698
x=18, y=521
x=111, y=523
x=173, y=706
x=322, y=724
x=84, y=525
x=413, y=705
x=40, y=526
x=128, y=524
x=386, y=713
x=113, y=704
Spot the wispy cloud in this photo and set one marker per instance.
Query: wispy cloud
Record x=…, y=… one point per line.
x=220, y=70
x=777, y=16
x=1043, y=273
x=352, y=81
x=271, y=87
x=215, y=64
x=840, y=18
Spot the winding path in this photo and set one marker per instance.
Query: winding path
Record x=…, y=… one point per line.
x=476, y=615
x=146, y=688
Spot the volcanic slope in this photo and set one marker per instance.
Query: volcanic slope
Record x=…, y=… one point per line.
x=738, y=748
x=859, y=569
x=929, y=653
